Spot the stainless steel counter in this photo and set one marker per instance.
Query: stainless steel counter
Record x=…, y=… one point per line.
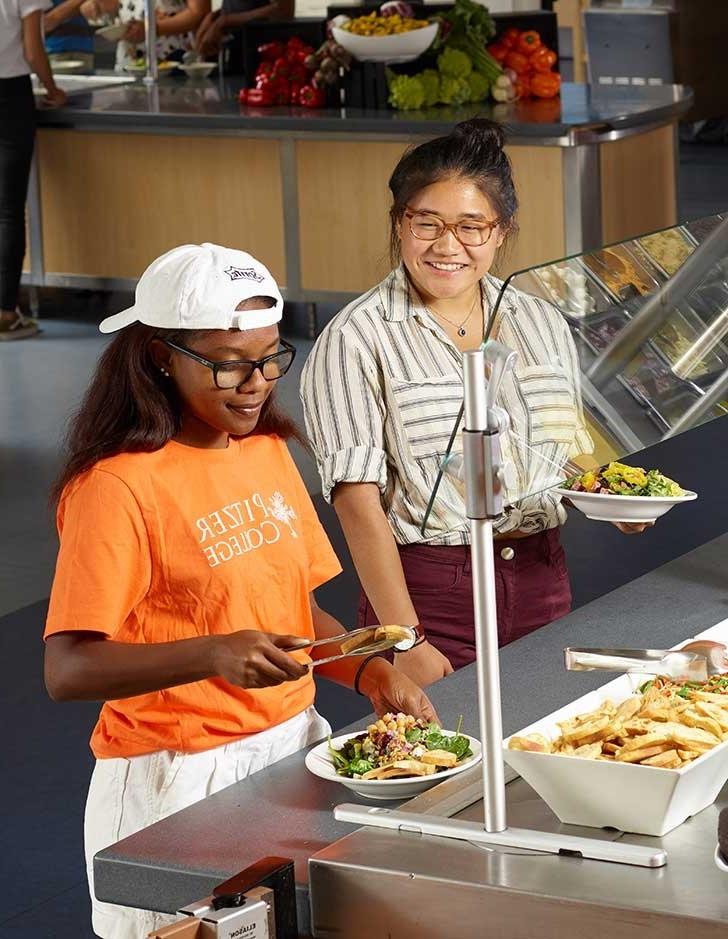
x=284, y=810
x=582, y=114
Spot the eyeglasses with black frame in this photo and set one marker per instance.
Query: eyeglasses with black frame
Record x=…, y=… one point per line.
x=470, y=233
x=234, y=373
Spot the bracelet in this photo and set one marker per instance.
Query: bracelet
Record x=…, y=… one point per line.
x=367, y=660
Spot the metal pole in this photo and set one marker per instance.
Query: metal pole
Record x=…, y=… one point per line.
x=484, y=599
x=150, y=41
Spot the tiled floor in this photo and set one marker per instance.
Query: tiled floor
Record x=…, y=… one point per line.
x=47, y=764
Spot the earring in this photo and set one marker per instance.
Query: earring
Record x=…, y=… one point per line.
x=164, y=371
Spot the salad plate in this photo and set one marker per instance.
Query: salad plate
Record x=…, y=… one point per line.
x=621, y=493
x=321, y=762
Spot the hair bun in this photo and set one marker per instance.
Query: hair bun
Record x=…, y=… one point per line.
x=481, y=131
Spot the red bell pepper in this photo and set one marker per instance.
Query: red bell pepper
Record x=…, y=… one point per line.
x=510, y=37
x=528, y=42
x=498, y=51
x=280, y=90
x=271, y=50
x=294, y=92
x=281, y=67
x=543, y=60
x=517, y=61
x=297, y=72
x=545, y=84
x=523, y=86
x=311, y=97
x=257, y=97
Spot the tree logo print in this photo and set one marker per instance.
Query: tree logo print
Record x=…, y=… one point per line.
x=283, y=512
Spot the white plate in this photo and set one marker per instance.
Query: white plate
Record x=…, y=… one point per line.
x=399, y=47
x=645, y=800
x=609, y=508
x=67, y=65
x=112, y=33
x=198, y=69
x=319, y=763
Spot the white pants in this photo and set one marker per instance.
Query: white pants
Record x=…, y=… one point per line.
x=127, y=795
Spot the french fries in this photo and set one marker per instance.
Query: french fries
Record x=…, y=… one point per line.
x=658, y=728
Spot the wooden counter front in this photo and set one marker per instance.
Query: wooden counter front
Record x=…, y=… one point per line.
x=111, y=202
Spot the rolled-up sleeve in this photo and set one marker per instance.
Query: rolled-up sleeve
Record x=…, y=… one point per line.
x=343, y=406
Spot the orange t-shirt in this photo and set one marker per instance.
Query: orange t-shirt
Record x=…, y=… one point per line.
x=189, y=542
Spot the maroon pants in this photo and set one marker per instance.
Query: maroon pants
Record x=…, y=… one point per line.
x=532, y=589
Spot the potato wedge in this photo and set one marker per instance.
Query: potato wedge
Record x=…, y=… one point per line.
x=693, y=718
x=439, y=758
x=637, y=756
x=536, y=742
x=668, y=759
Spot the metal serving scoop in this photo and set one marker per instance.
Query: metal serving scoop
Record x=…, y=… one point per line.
x=695, y=661
x=681, y=666
x=364, y=641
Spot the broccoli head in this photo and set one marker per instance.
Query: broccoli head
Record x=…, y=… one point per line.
x=479, y=86
x=454, y=63
x=406, y=93
x=454, y=90
x=430, y=81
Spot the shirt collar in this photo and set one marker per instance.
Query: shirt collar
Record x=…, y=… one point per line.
x=401, y=302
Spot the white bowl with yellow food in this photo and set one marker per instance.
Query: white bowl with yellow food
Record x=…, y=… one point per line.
x=396, y=47
x=390, y=760
x=640, y=762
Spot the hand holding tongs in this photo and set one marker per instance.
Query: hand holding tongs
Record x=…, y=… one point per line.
x=695, y=661
x=371, y=642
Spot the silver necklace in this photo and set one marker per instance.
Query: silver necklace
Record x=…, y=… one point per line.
x=462, y=331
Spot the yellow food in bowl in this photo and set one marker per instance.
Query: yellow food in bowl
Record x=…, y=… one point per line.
x=374, y=25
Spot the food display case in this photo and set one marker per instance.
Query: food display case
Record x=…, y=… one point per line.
x=649, y=318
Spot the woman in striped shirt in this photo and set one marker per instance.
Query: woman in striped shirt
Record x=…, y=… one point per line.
x=382, y=389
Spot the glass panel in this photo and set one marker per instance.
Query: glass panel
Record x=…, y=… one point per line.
x=644, y=355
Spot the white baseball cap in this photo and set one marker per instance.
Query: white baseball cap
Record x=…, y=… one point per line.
x=199, y=287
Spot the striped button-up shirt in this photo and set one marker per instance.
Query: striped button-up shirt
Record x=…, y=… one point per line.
x=381, y=392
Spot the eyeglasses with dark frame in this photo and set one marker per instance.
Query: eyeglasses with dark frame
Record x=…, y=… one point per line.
x=470, y=233
x=234, y=373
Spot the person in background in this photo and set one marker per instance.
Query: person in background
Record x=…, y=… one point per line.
x=21, y=52
x=177, y=21
x=232, y=17
x=68, y=35
x=190, y=552
x=382, y=388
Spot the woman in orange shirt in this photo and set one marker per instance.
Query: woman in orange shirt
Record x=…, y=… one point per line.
x=189, y=554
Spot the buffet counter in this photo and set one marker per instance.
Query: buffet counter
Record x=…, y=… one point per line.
x=124, y=172
x=376, y=882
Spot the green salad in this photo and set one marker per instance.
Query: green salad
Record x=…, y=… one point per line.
x=400, y=745
x=618, y=479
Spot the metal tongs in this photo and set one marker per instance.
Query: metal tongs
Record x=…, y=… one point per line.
x=695, y=661
x=369, y=647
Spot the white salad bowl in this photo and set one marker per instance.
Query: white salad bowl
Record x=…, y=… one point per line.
x=399, y=47
x=611, y=508
x=319, y=763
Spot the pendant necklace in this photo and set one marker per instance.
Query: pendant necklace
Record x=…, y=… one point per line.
x=462, y=331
